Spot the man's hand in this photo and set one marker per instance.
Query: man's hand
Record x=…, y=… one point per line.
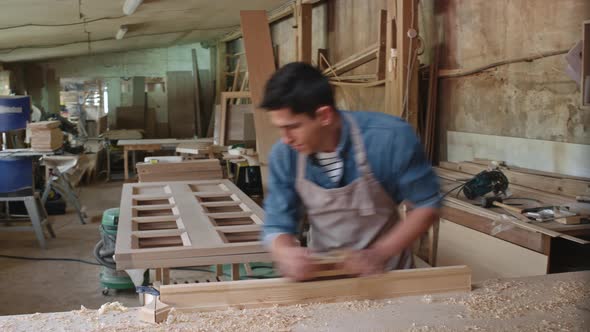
x=292, y=260
x=365, y=262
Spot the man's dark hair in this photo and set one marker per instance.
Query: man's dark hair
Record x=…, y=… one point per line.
x=299, y=87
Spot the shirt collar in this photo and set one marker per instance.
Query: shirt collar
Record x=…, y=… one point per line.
x=344, y=140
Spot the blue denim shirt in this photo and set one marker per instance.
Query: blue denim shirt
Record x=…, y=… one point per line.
x=395, y=156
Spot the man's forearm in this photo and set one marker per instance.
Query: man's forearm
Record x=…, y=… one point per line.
x=404, y=233
x=283, y=241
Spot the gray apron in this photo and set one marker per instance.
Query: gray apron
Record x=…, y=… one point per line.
x=353, y=216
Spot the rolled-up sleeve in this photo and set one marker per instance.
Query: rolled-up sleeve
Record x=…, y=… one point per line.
x=416, y=180
x=281, y=203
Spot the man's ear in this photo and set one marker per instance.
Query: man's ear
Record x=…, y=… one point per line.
x=325, y=114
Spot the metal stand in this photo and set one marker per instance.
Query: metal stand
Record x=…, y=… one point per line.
x=58, y=181
x=37, y=216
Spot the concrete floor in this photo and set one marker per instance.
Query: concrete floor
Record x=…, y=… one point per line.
x=53, y=286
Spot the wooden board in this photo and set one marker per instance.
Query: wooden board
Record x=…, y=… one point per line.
x=43, y=125
x=304, y=38
x=131, y=117
x=261, y=65
x=585, y=86
x=487, y=256
x=186, y=221
x=271, y=292
x=181, y=103
x=163, y=141
x=207, y=169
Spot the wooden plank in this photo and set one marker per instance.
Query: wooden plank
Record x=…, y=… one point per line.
x=585, y=79
x=522, y=237
x=391, y=74
x=274, y=16
x=566, y=187
x=206, y=169
x=220, y=79
x=304, y=24
x=197, y=87
x=353, y=61
x=487, y=256
x=271, y=292
x=181, y=103
x=236, y=75
x=261, y=65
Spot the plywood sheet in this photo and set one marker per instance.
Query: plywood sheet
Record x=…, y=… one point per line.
x=487, y=256
x=261, y=65
x=186, y=221
x=181, y=103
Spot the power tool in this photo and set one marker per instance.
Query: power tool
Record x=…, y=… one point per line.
x=485, y=182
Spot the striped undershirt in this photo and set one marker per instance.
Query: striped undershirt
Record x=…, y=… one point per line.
x=331, y=164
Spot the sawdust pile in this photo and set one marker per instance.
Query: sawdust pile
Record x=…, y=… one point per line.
x=510, y=299
x=276, y=318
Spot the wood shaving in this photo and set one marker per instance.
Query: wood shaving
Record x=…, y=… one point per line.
x=111, y=307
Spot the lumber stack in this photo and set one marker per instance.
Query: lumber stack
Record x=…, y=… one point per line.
x=45, y=135
x=206, y=169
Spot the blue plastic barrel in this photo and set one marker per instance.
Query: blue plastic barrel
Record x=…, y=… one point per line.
x=15, y=111
x=15, y=174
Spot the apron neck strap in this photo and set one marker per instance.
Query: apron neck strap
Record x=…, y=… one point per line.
x=360, y=155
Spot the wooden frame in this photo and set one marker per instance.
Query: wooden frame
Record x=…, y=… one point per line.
x=271, y=292
x=187, y=224
x=225, y=97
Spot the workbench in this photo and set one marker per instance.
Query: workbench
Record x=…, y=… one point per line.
x=151, y=145
x=558, y=302
x=481, y=237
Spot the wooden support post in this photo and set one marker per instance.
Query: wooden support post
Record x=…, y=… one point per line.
x=382, y=40
x=221, y=82
x=304, y=23
x=236, y=75
x=126, y=162
x=219, y=270
x=401, y=92
x=322, y=54
x=235, y=271
x=197, y=93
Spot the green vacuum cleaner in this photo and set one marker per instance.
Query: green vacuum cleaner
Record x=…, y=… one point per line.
x=104, y=250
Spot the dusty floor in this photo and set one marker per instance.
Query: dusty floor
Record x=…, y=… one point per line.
x=53, y=286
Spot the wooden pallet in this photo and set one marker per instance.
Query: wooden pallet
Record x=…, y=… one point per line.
x=187, y=224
